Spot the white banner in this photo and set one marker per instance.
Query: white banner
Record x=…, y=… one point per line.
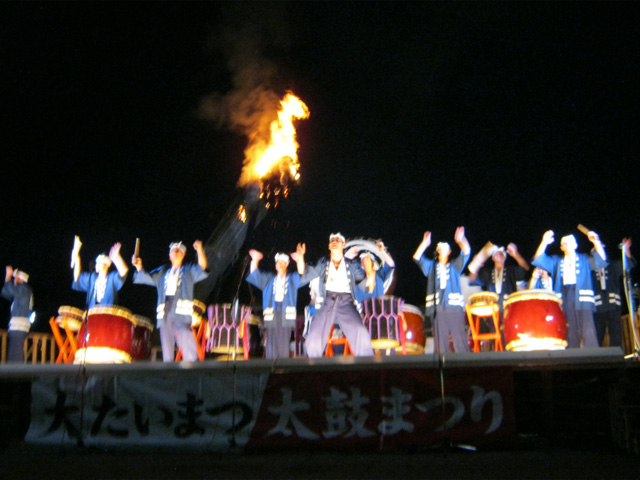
x=210, y=412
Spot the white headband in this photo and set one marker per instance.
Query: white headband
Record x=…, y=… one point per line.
x=21, y=275
x=178, y=245
x=499, y=249
x=102, y=258
x=443, y=245
x=282, y=256
x=337, y=235
x=566, y=238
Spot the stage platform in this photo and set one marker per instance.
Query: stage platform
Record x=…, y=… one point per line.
x=574, y=401
x=600, y=358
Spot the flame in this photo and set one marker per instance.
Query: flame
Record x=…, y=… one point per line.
x=242, y=214
x=277, y=148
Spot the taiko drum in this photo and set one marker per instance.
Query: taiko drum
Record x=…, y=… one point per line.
x=533, y=320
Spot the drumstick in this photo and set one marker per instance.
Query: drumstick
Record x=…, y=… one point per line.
x=76, y=249
x=136, y=252
x=583, y=229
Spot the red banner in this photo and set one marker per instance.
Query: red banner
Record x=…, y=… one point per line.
x=386, y=409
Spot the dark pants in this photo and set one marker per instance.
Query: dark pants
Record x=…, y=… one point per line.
x=338, y=308
x=581, y=331
x=15, y=351
x=610, y=320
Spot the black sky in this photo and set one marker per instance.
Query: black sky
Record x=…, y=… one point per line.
x=509, y=118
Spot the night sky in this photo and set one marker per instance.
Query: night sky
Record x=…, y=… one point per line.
x=509, y=118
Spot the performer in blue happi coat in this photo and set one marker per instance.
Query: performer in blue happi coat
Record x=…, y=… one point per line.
x=383, y=270
x=607, y=286
x=102, y=286
x=175, y=284
x=22, y=316
x=501, y=277
x=444, y=301
x=571, y=275
x=279, y=298
x=339, y=278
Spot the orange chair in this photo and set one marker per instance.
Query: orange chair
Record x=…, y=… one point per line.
x=484, y=305
x=331, y=342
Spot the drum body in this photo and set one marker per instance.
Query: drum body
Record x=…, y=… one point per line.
x=199, y=310
x=413, y=325
x=106, y=336
x=533, y=320
x=482, y=304
x=141, y=341
x=72, y=316
x=381, y=316
x=227, y=326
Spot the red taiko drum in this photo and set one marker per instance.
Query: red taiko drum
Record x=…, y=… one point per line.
x=141, y=342
x=413, y=325
x=106, y=336
x=533, y=320
x=381, y=316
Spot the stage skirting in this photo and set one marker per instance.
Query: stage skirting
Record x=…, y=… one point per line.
x=361, y=409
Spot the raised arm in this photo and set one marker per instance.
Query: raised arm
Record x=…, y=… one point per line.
x=597, y=244
x=462, y=241
x=301, y=249
x=512, y=250
x=385, y=254
x=75, y=259
x=256, y=256
x=547, y=239
x=202, y=258
x=9, y=274
x=426, y=241
x=118, y=261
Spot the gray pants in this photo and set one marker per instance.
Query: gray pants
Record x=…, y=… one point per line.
x=451, y=322
x=338, y=308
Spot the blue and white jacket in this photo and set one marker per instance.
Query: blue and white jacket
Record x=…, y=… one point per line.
x=266, y=282
x=554, y=264
x=189, y=274
x=355, y=273
x=453, y=298
x=87, y=283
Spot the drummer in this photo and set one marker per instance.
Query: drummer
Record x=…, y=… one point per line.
x=572, y=281
x=339, y=279
x=175, y=284
x=102, y=286
x=20, y=294
x=279, y=298
x=502, y=278
x=445, y=302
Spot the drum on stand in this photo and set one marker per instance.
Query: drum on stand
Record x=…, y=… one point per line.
x=533, y=320
x=141, y=341
x=483, y=314
x=413, y=326
x=73, y=317
x=381, y=316
x=106, y=336
x=199, y=310
x=227, y=327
